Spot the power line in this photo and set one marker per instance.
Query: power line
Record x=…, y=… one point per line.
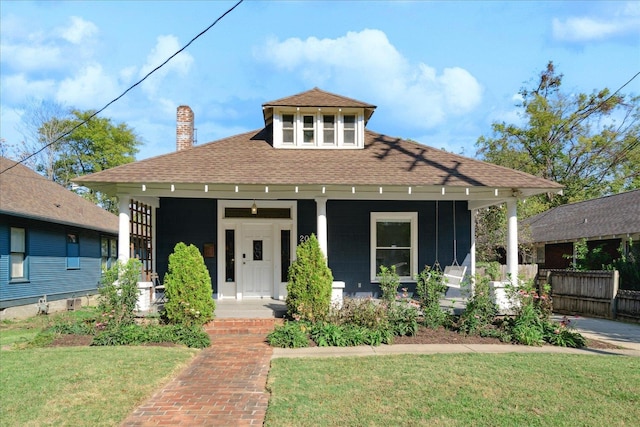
x=126, y=91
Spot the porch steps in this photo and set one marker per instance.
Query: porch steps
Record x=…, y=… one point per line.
x=230, y=326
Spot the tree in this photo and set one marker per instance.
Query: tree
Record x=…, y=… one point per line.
x=41, y=125
x=94, y=146
x=188, y=287
x=590, y=143
x=310, y=282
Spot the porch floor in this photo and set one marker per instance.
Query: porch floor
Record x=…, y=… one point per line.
x=250, y=308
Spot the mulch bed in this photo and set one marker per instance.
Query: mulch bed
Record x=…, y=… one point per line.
x=424, y=336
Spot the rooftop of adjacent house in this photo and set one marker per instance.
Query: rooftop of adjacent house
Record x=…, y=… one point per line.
x=615, y=215
x=251, y=159
x=25, y=193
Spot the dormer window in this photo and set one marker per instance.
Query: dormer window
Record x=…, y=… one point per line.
x=322, y=128
x=287, y=129
x=329, y=129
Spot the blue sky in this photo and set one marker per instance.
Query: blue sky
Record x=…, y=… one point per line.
x=439, y=72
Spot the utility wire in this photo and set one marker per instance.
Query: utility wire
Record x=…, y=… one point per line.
x=126, y=91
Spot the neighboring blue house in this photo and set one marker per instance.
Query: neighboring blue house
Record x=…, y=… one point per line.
x=52, y=242
x=246, y=201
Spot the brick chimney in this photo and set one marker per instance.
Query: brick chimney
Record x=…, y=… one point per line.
x=184, y=127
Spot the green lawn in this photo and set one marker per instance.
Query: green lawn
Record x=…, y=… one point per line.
x=456, y=390
x=82, y=386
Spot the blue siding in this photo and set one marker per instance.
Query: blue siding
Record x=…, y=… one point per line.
x=307, y=222
x=192, y=221
x=349, y=236
x=47, y=267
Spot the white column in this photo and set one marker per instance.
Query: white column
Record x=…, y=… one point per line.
x=472, y=251
x=123, y=228
x=321, y=212
x=512, y=240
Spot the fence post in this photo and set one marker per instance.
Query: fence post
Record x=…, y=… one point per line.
x=614, y=296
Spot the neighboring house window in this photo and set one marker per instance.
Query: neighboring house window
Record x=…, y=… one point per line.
x=540, y=254
x=108, y=252
x=73, y=251
x=329, y=129
x=349, y=130
x=18, y=254
x=287, y=129
x=394, y=241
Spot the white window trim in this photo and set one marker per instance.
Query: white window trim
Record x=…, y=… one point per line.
x=411, y=217
x=19, y=247
x=318, y=113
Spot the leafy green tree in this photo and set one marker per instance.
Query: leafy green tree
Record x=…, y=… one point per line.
x=590, y=143
x=96, y=145
x=310, y=282
x=188, y=288
x=119, y=293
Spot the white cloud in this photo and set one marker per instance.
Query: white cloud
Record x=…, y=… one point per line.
x=17, y=87
x=164, y=48
x=88, y=88
x=580, y=29
x=79, y=31
x=366, y=62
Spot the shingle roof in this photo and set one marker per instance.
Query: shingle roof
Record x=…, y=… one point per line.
x=618, y=214
x=317, y=98
x=250, y=158
x=25, y=193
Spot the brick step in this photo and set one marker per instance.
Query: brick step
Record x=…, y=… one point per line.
x=241, y=326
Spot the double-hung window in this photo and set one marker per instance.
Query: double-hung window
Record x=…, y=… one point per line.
x=329, y=129
x=349, y=130
x=308, y=129
x=394, y=242
x=288, y=130
x=73, y=251
x=18, y=268
x=108, y=252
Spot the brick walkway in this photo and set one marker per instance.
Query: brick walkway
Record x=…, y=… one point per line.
x=223, y=386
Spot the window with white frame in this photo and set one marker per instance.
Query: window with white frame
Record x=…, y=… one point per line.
x=394, y=242
x=18, y=268
x=288, y=129
x=329, y=129
x=308, y=129
x=349, y=129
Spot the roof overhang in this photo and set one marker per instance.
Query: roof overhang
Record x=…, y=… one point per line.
x=478, y=197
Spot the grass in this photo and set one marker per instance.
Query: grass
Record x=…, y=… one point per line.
x=456, y=390
x=97, y=386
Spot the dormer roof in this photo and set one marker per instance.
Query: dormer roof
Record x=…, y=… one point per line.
x=316, y=98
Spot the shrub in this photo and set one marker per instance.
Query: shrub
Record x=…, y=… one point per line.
x=310, y=281
x=403, y=319
x=430, y=288
x=364, y=312
x=480, y=311
x=188, y=288
x=190, y=336
x=119, y=293
x=389, y=282
x=289, y=335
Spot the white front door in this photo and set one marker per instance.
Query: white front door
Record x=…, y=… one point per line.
x=257, y=260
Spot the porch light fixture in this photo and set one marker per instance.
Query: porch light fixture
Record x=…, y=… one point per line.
x=254, y=208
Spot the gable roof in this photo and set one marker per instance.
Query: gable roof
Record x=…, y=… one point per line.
x=249, y=158
x=317, y=98
x=616, y=215
x=27, y=194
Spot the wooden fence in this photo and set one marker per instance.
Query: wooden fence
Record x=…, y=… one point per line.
x=591, y=293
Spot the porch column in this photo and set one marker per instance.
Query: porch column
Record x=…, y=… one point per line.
x=512, y=240
x=321, y=212
x=472, y=250
x=123, y=228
